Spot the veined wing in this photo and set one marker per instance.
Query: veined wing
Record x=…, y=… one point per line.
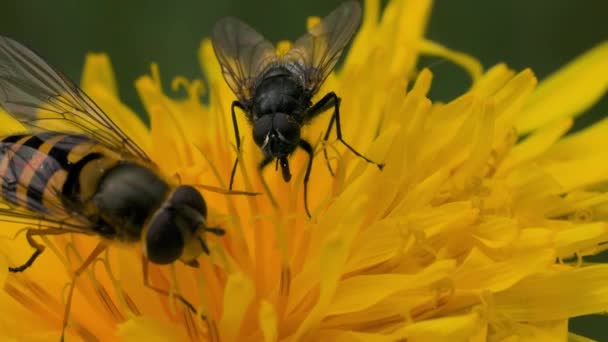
x=243, y=54
x=316, y=53
x=37, y=95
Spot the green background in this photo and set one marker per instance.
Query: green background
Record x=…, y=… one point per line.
x=541, y=34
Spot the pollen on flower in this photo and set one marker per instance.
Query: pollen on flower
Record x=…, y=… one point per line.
x=476, y=229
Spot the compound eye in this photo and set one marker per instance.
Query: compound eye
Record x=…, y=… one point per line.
x=187, y=196
x=287, y=127
x=261, y=129
x=164, y=242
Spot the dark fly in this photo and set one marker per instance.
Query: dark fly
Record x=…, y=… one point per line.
x=276, y=92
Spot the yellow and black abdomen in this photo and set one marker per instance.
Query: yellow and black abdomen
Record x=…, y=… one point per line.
x=35, y=167
x=59, y=175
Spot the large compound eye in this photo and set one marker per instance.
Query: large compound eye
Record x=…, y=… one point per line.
x=187, y=196
x=261, y=129
x=288, y=128
x=164, y=241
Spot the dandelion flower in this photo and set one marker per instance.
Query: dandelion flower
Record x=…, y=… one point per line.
x=476, y=229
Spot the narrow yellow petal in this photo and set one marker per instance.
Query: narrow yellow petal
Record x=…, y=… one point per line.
x=351, y=336
x=147, y=329
x=98, y=73
x=511, y=98
x=569, y=91
x=165, y=134
x=531, y=239
x=575, y=174
x=367, y=34
x=268, y=321
x=581, y=143
x=452, y=328
x=497, y=276
x=411, y=18
x=556, y=295
x=537, y=143
x=378, y=243
x=580, y=237
x=332, y=256
x=238, y=294
x=497, y=232
x=99, y=83
x=492, y=80
x=537, y=331
x=470, y=64
x=358, y=293
x=572, y=337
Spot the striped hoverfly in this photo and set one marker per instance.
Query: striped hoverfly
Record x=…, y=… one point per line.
x=90, y=178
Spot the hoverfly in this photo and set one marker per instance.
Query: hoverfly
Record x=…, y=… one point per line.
x=275, y=92
x=89, y=179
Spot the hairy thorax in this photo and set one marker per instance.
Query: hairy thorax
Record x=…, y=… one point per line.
x=278, y=92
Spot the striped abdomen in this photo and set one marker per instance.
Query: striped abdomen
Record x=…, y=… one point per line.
x=41, y=171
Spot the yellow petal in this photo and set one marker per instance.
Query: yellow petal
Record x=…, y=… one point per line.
x=556, y=295
x=569, y=91
x=452, y=328
x=580, y=237
x=538, y=331
x=537, y=143
x=497, y=232
x=582, y=143
x=470, y=64
x=492, y=80
x=268, y=321
x=147, y=329
x=165, y=134
x=375, y=245
x=572, y=337
x=497, y=276
x=332, y=256
x=358, y=293
x=410, y=19
x=99, y=83
x=575, y=174
x=351, y=336
x=238, y=294
x=98, y=73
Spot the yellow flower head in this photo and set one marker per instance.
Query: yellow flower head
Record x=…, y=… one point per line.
x=475, y=229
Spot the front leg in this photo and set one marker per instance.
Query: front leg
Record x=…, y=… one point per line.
x=235, y=104
x=305, y=145
x=329, y=100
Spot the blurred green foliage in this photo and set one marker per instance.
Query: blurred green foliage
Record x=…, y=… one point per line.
x=541, y=34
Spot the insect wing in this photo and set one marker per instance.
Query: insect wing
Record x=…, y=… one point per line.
x=31, y=189
x=243, y=54
x=39, y=96
x=316, y=53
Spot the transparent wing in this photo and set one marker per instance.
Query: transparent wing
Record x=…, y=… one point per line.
x=39, y=96
x=243, y=54
x=316, y=53
x=31, y=190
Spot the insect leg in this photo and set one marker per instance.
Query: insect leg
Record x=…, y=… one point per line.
x=261, y=166
x=147, y=284
x=101, y=246
x=305, y=145
x=38, y=248
x=321, y=106
x=325, y=138
x=237, y=136
x=333, y=99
